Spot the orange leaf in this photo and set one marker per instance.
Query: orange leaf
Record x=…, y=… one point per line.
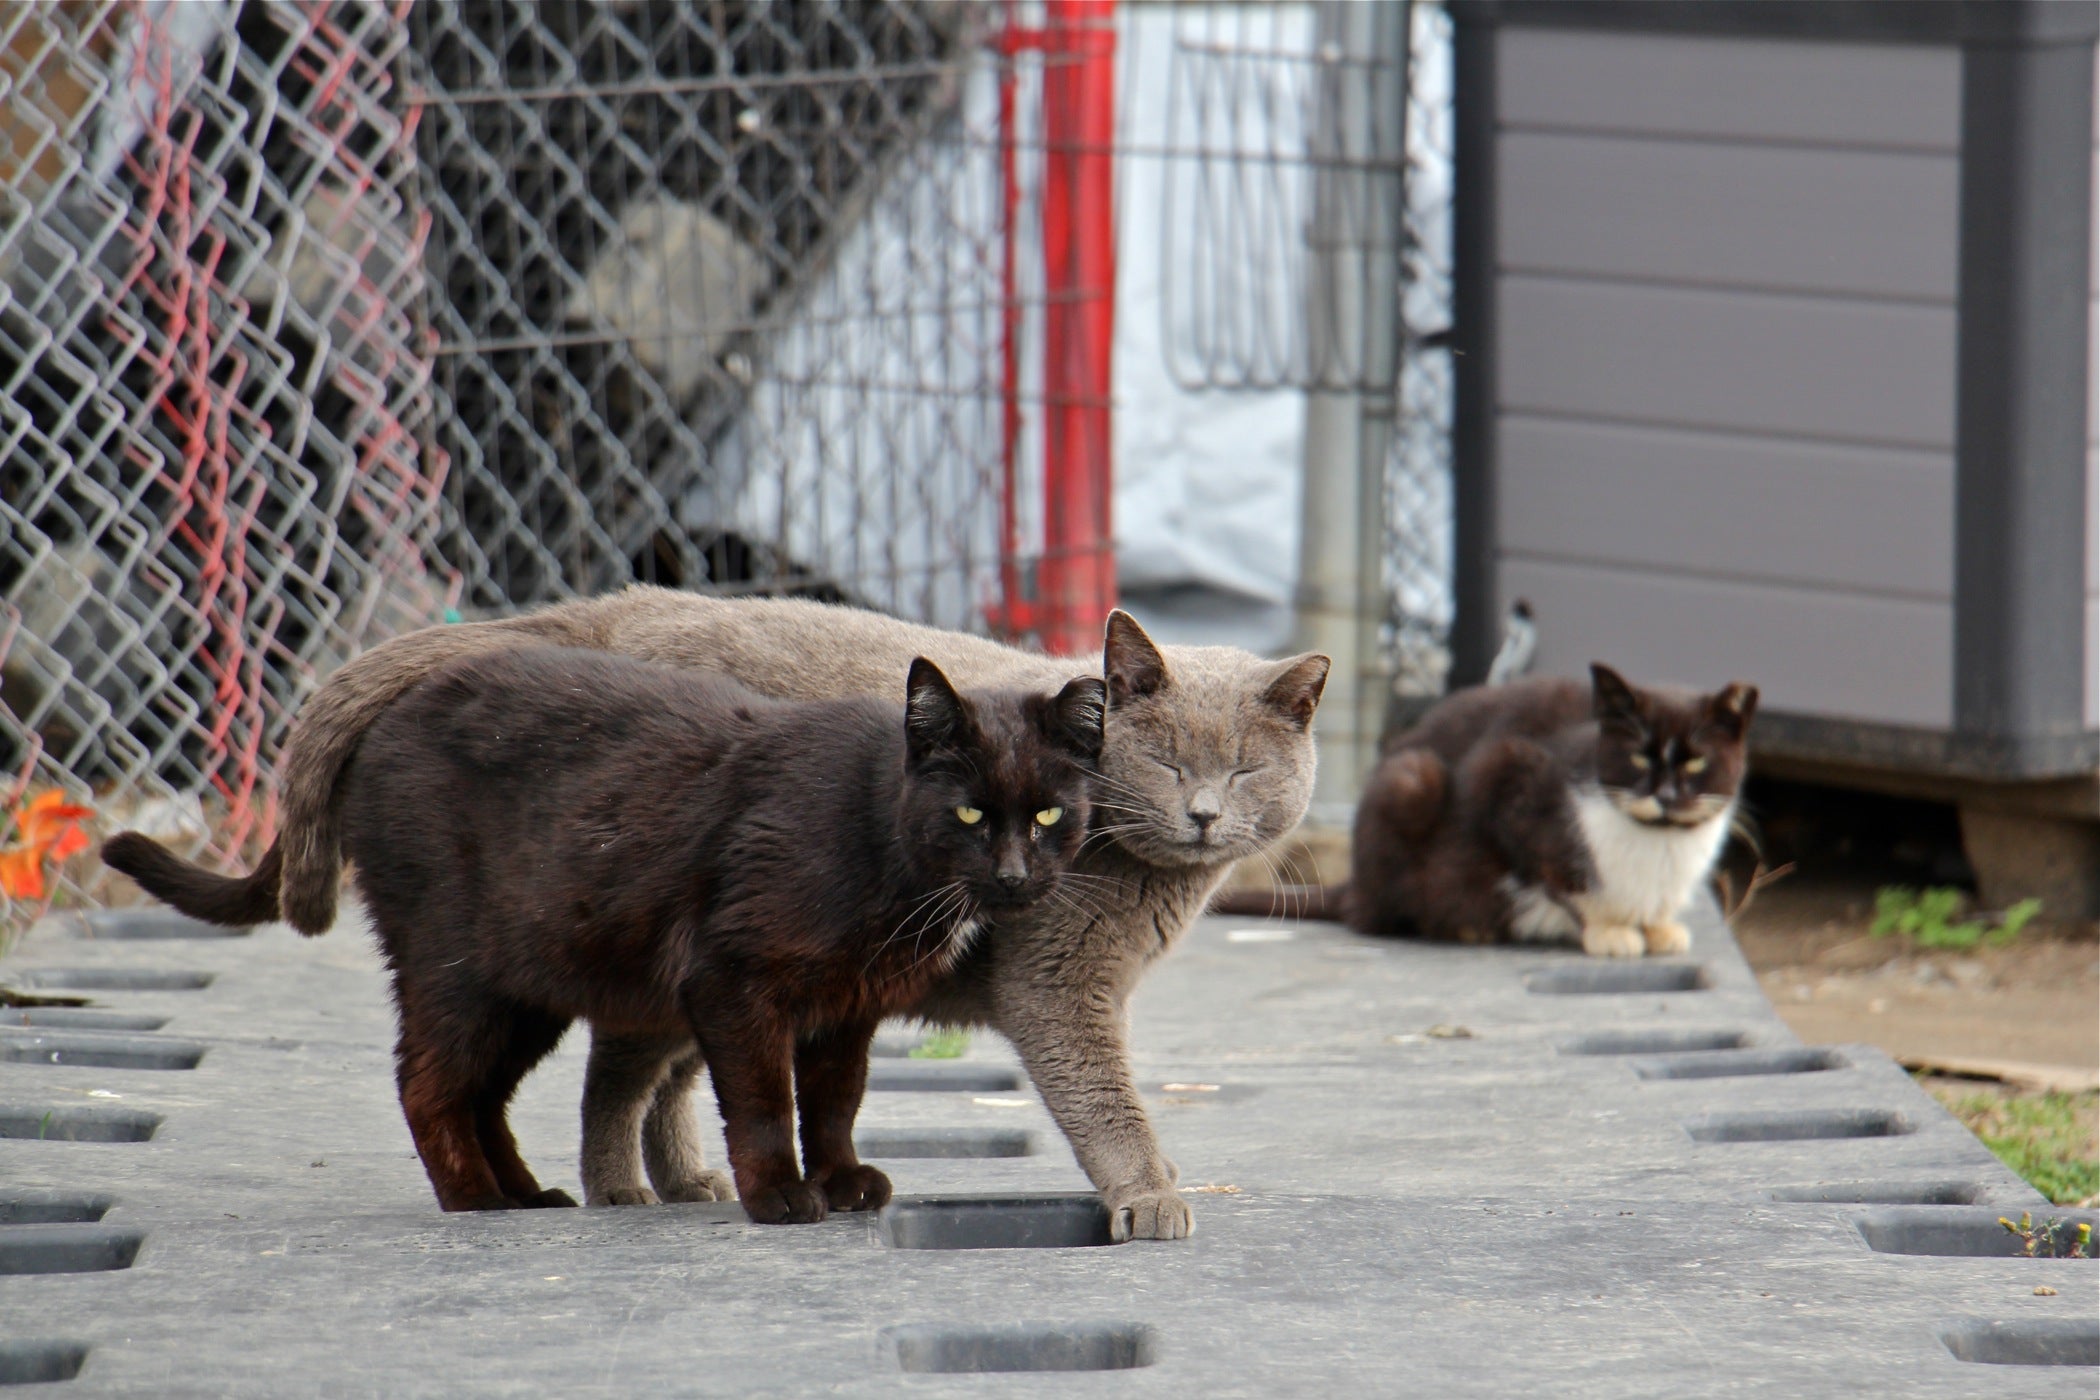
x=22, y=874
x=45, y=819
x=71, y=842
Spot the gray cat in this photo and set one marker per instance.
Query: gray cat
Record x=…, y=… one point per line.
x=1207, y=759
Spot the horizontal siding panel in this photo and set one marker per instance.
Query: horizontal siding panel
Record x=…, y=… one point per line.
x=1902, y=96
x=1834, y=655
x=2092, y=663
x=1864, y=372
x=1790, y=513
x=1853, y=223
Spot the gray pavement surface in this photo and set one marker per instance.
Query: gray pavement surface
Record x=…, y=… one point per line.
x=1416, y=1170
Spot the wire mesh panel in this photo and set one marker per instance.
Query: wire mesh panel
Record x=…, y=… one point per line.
x=210, y=479
x=1418, y=496
x=715, y=288
x=322, y=319
x=1271, y=219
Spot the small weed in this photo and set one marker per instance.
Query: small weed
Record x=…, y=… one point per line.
x=2055, y=1239
x=942, y=1045
x=1934, y=918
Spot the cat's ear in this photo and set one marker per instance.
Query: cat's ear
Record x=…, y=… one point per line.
x=1295, y=691
x=1611, y=697
x=1076, y=716
x=1131, y=663
x=1731, y=707
x=1612, y=700
x=933, y=712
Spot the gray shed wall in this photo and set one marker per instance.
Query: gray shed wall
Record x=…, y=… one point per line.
x=1725, y=379
x=2092, y=407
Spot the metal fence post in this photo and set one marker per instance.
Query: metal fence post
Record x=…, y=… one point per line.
x=1352, y=309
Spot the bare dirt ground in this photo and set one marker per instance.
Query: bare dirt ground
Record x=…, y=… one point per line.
x=2027, y=1012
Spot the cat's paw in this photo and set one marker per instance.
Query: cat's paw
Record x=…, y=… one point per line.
x=1149, y=1215
x=480, y=1203
x=793, y=1203
x=625, y=1196
x=552, y=1196
x=700, y=1186
x=858, y=1187
x=1668, y=937
x=1612, y=941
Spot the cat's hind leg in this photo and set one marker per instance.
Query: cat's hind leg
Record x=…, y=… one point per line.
x=440, y=1064
x=532, y=1035
x=1517, y=805
x=619, y=1087
x=1403, y=803
x=671, y=1137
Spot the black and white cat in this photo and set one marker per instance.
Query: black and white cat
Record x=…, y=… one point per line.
x=1543, y=809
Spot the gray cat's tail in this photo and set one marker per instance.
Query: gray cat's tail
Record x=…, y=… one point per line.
x=333, y=724
x=235, y=901
x=1328, y=903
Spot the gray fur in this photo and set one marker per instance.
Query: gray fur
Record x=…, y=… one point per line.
x=1207, y=759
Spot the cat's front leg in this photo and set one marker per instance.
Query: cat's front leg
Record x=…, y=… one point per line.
x=1667, y=937
x=750, y=1057
x=1612, y=940
x=831, y=1076
x=1070, y=1039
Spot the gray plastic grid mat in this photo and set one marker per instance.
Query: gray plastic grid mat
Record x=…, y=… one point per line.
x=1620, y=1179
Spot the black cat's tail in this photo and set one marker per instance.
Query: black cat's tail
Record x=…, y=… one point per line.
x=235, y=901
x=1325, y=902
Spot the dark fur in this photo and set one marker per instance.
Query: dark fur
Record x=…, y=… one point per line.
x=542, y=835
x=1478, y=790
x=235, y=901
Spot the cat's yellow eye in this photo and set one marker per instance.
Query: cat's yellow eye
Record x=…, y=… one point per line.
x=968, y=816
x=1640, y=761
x=1049, y=816
x=1695, y=765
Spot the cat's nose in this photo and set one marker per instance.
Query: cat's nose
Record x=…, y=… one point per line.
x=1011, y=871
x=1202, y=820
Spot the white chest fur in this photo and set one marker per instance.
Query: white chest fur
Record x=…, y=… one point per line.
x=1645, y=874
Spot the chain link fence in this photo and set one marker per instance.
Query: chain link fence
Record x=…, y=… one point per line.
x=212, y=480
x=321, y=320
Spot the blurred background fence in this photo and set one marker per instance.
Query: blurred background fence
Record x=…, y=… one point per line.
x=321, y=321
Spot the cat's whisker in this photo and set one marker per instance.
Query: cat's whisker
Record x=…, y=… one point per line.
x=1116, y=828
x=963, y=913
x=1067, y=901
x=943, y=893
x=1283, y=878
x=1101, y=880
x=1123, y=789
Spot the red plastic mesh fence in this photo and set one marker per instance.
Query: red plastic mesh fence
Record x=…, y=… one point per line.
x=212, y=484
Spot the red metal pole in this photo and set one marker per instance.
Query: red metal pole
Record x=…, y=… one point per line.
x=1010, y=615
x=1077, y=580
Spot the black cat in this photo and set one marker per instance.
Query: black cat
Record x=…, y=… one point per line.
x=546, y=834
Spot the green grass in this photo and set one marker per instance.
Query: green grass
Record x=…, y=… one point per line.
x=2051, y=1139
x=1933, y=918
x=942, y=1045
